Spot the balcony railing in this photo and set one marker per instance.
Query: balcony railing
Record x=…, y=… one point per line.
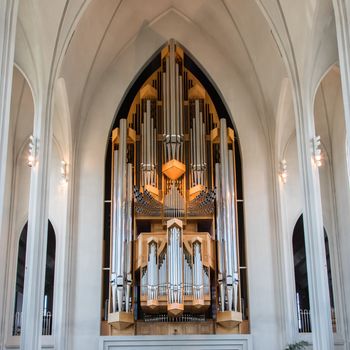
x=304, y=321
x=46, y=324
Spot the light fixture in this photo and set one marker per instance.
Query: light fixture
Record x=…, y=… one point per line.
x=64, y=171
x=33, y=151
x=316, y=150
x=283, y=171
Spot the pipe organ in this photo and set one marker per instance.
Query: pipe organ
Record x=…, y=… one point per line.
x=174, y=247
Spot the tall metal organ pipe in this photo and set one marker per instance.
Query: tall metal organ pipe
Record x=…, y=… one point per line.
x=219, y=236
x=231, y=259
x=129, y=238
x=198, y=151
x=148, y=147
x=234, y=231
x=118, y=230
x=172, y=107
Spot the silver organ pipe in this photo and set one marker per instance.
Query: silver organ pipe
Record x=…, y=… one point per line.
x=187, y=273
x=175, y=262
x=172, y=107
x=228, y=208
x=118, y=231
x=129, y=238
x=197, y=271
x=198, y=149
x=152, y=268
x=114, y=263
x=234, y=232
x=219, y=237
x=148, y=147
x=162, y=274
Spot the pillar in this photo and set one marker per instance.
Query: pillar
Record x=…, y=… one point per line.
x=37, y=228
x=322, y=334
x=342, y=21
x=8, y=20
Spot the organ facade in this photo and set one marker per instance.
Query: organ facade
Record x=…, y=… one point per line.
x=174, y=236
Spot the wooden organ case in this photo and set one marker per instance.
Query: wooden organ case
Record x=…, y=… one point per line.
x=174, y=250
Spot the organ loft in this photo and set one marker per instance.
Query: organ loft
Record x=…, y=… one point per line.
x=174, y=241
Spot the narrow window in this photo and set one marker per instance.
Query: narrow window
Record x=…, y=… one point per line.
x=301, y=280
x=49, y=281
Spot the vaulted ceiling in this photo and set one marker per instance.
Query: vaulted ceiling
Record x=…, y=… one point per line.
x=78, y=40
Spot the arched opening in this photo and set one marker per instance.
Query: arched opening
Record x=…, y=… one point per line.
x=173, y=172
x=49, y=281
x=301, y=280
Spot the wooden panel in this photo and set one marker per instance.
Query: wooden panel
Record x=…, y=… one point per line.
x=172, y=328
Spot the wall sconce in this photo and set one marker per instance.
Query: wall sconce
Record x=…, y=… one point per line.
x=316, y=151
x=33, y=151
x=64, y=171
x=283, y=171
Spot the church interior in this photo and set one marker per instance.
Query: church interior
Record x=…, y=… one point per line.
x=174, y=174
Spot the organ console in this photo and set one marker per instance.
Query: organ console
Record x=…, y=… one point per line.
x=174, y=249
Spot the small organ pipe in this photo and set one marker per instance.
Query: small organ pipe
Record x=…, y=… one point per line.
x=152, y=268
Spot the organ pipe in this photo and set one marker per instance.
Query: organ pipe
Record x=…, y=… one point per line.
x=118, y=233
x=152, y=268
x=172, y=107
x=219, y=236
x=197, y=271
x=129, y=238
x=169, y=199
x=228, y=209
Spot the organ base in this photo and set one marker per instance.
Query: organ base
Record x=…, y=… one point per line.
x=229, y=319
x=121, y=320
x=171, y=328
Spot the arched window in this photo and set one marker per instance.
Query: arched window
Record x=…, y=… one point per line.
x=49, y=281
x=301, y=280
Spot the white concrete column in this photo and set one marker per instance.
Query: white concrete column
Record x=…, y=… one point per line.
x=285, y=256
x=322, y=335
x=8, y=20
x=342, y=20
x=37, y=230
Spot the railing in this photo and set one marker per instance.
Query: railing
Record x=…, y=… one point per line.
x=46, y=323
x=304, y=321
